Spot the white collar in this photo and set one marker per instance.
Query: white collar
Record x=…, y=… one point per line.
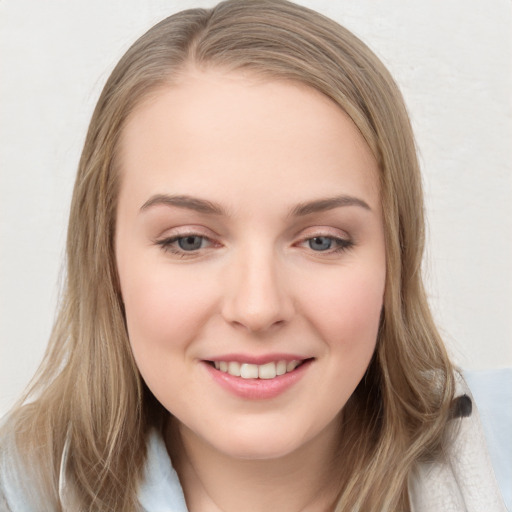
x=159, y=490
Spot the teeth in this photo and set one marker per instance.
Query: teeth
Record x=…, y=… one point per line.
x=267, y=371
x=291, y=366
x=281, y=368
x=249, y=371
x=234, y=368
x=254, y=371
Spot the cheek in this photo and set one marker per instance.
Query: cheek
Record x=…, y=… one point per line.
x=163, y=309
x=348, y=312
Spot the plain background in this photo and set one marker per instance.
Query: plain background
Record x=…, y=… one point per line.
x=452, y=60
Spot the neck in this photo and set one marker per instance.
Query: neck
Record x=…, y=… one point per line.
x=301, y=481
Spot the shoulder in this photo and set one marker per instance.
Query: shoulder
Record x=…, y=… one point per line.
x=158, y=488
x=16, y=494
x=160, y=485
x=25, y=468
x=464, y=480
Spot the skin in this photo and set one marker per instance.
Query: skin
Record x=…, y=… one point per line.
x=259, y=150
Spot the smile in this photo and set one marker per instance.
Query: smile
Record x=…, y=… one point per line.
x=257, y=377
x=268, y=370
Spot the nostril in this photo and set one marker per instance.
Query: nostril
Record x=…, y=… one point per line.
x=258, y=301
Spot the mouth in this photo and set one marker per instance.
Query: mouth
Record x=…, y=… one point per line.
x=267, y=371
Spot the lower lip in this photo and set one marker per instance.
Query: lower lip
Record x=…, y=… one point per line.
x=257, y=389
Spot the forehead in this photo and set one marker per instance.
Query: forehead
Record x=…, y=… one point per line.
x=243, y=131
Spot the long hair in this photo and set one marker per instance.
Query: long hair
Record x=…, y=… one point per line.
x=88, y=394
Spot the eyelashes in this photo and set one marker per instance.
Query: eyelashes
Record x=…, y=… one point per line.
x=188, y=245
x=191, y=245
x=329, y=244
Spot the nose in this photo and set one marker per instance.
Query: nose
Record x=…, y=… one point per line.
x=257, y=297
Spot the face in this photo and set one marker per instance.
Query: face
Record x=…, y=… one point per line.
x=251, y=257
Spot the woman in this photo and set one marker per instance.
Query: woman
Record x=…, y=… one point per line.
x=244, y=294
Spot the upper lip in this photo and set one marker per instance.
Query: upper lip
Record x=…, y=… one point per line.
x=258, y=359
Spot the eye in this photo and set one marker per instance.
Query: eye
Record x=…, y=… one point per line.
x=320, y=243
x=186, y=245
x=326, y=244
x=191, y=242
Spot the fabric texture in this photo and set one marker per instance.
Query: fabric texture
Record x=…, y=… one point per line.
x=492, y=391
x=464, y=482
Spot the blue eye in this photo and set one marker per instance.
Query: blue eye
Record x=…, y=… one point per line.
x=320, y=243
x=330, y=245
x=186, y=245
x=190, y=243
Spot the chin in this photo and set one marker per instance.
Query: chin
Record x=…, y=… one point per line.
x=261, y=442
x=259, y=450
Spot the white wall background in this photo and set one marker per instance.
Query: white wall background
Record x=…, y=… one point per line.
x=452, y=59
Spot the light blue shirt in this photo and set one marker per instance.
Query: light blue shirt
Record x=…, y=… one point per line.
x=161, y=489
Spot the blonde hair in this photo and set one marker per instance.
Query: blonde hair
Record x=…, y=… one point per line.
x=88, y=391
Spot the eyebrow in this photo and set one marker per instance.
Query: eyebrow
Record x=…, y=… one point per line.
x=208, y=207
x=188, y=202
x=329, y=203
